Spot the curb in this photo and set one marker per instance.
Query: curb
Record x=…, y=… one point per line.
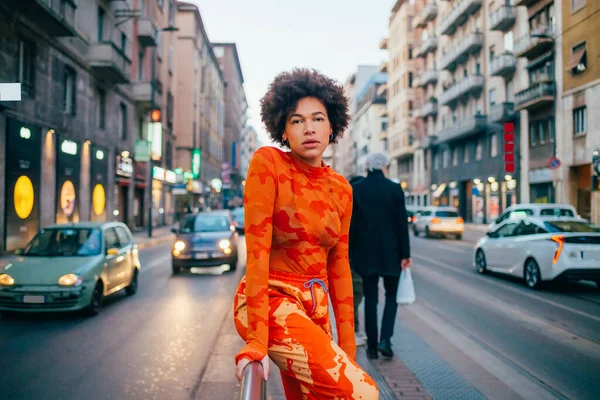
x=154, y=241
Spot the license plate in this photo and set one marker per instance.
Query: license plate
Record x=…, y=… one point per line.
x=34, y=299
x=590, y=255
x=201, y=256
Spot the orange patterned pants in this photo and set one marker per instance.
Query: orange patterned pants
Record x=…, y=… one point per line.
x=312, y=365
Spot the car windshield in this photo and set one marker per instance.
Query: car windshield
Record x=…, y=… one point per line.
x=65, y=242
x=238, y=214
x=446, y=214
x=557, y=212
x=572, y=226
x=205, y=223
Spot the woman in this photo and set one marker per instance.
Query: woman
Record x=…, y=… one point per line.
x=297, y=218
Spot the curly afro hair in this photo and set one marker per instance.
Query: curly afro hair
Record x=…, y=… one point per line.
x=289, y=87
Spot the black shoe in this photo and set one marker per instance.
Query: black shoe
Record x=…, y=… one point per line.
x=385, y=348
x=372, y=354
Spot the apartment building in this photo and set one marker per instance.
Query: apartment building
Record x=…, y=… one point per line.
x=401, y=102
x=342, y=149
x=579, y=132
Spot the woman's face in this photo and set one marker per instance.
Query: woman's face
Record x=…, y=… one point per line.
x=307, y=130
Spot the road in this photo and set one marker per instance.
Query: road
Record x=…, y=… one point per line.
x=153, y=345
x=550, y=336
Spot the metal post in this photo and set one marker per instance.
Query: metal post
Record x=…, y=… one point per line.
x=254, y=387
x=152, y=83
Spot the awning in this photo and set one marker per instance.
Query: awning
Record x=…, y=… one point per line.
x=438, y=192
x=576, y=58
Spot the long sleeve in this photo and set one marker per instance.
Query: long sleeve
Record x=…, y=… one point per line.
x=403, y=236
x=340, y=282
x=259, y=202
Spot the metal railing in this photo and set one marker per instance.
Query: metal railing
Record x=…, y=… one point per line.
x=470, y=44
x=254, y=387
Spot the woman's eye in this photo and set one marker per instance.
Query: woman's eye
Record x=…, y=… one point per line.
x=320, y=119
x=296, y=121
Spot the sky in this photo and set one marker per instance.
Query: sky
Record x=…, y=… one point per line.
x=272, y=36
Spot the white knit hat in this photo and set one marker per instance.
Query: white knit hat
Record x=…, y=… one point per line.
x=376, y=161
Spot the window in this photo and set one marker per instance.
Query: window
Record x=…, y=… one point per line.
x=170, y=59
x=219, y=51
x=579, y=121
x=492, y=97
x=101, y=109
x=26, y=67
x=466, y=154
x=410, y=79
x=124, y=239
x=494, y=145
x=111, y=240
x=69, y=91
x=528, y=228
x=478, y=150
x=170, y=111
x=507, y=230
x=159, y=45
x=455, y=156
x=140, y=71
x=578, y=61
x=492, y=53
x=100, y=24
x=123, y=43
x=577, y=5
x=169, y=155
x=141, y=128
x=508, y=42
x=532, y=134
x=410, y=52
x=172, y=9
x=446, y=158
x=123, y=121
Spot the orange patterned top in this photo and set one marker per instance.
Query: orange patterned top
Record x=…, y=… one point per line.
x=296, y=219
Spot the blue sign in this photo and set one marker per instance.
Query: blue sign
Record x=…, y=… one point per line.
x=554, y=163
x=475, y=192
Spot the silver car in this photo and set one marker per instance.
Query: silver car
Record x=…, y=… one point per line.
x=439, y=221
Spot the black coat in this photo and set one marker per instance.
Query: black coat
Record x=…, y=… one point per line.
x=379, y=228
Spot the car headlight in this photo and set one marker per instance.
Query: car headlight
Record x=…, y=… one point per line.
x=225, y=244
x=6, y=280
x=179, y=245
x=70, y=280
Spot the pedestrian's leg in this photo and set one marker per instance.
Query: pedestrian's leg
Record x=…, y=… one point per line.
x=391, y=307
x=357, y=290
x=371, y=292
x=305, y=354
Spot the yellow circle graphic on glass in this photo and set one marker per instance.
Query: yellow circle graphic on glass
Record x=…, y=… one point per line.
x=23, y=197
x=98, y=199
x=67, y=198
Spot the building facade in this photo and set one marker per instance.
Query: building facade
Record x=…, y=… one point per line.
x=580, y=128
x=235, y=121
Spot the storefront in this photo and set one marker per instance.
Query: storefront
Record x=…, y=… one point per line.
x=163, y=210
x=23, y=182
x=124, y=173
x=541, y=187
x=99, y=183
x=68, y=165
x=477, y=202
x=141, y=183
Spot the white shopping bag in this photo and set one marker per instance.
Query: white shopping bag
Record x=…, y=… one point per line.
x=406, y=289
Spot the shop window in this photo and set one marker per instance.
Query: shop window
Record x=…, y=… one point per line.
x=580, y=121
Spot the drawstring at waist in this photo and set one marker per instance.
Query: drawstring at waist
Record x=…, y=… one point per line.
x=311, y=285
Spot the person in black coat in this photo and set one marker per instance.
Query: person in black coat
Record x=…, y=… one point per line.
x=379, y=247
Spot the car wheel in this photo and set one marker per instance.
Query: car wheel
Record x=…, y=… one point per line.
x=96, y=302
x=133, y=286
x=176, y=269
x=480, y=262
x=415, y=231
x=532, y=275
x=458, y=236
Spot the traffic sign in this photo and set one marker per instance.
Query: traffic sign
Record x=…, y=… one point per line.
x=554, y=163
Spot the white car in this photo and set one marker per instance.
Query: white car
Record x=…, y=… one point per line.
x=535, y=210
x=439, y=221
x=540, y=249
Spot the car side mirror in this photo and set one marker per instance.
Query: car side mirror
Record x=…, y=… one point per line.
x=174, y=230
x=113, y=251
x=19, y=252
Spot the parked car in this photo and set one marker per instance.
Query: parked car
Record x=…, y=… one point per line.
x=238, y=219
x=535, y=210
x=71, y=267
x=413, y=212
x=439, y=221
x=206, y=239
x=539, y=249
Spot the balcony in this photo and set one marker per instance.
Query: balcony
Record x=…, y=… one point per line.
x=538, y=95
x=463, y=128
x=471, y=44
x=109, y=62
x=535, y=43
x=501, y=112
x=525, y=3
x=503, y=18
x=57, y=17
x=503, y=65
x=428, y=14
x=147, y=97
x=430, y=108
x=427, y=46
x=469, y=85
x=458, y=16
x=147, y=32
x=428, y=76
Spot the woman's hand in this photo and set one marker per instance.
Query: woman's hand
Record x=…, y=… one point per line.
x=239, y=369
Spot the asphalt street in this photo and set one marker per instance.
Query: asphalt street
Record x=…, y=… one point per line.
x=153, y=345
x=552, y=336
